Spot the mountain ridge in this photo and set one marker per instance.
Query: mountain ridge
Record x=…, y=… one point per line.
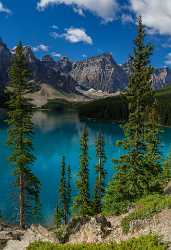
x=99, y=73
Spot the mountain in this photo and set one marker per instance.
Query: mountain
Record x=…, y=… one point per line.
x=160, y=78
x=98, y=73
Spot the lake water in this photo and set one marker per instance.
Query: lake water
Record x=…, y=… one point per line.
x=57, y=135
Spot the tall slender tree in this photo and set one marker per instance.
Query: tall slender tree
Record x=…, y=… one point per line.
x=141, y=158
x=20, y=134
x=69, y=191
x=63, y=191
x=82, y=201
x=99, y=188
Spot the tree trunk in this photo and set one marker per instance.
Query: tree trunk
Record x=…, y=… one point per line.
x=21, y=202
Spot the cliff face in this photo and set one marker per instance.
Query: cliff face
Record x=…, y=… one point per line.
x=5, y=58
x=161, y=78
x=100, y=73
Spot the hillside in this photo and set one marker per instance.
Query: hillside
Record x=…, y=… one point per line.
x=115, y=107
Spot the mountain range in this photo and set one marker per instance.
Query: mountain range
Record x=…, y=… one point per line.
x=99, y=73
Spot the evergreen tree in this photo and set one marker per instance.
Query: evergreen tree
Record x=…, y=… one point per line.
x=167, y=170
x=138, y=170
x=69, y=190
x=20, y=134
x=63, y=201
x=58, y=216
x=82, y=201
x=100, y=174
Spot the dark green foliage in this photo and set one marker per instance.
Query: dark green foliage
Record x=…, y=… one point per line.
x=146, y=208
x=111, y=108
x=63, y=192
x=62, y=213
x=20, y=134
x=69, y=190
x=138, y=170
x=99, y=188
x=58, y=217
x=164, y=105
x=149, y=242
x=167, y=170
x=82, y=201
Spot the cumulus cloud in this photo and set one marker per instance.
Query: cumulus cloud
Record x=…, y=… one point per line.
x=168, y=59
x=156, y=14
x=41, y=47
x=55, y=27
x=4, y=9
x=56, y=54
x=73, y=35
x=106, y=9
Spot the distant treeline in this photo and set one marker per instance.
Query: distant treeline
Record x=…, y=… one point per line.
x=116, y=109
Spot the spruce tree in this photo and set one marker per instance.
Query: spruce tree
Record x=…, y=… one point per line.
x=69, y=191
x=141, y=158
x=82, y=201
x=167, y=170
x=63, y=191
x=100, y=174
x=20, y=134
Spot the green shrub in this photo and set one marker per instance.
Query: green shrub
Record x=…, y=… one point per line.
x=149, y=242
x=145, y=208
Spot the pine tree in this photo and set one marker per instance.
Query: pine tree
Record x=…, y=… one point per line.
x=167, y=170
x=20, y=134
x=100, y=174
x=63, y=201
x=69, y=191
x=141, y=158
x=82, y=201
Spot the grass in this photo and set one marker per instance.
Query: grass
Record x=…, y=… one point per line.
x=150, y=242
x=146, y=208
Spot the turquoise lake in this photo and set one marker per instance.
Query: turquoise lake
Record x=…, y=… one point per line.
x=57, y=134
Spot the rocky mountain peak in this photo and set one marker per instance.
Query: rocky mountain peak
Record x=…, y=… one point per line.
x=65, y=65
x=100, y=73
x=47, y=58
x=28, y=52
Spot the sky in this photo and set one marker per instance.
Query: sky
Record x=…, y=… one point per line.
x=83, y=28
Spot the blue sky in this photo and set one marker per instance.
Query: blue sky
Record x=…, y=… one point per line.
x=83, y=28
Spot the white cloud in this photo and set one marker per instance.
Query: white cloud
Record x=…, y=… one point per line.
x=41, y=47
x=156, y=14
x=106, y=9
x=55, y=27
x=74, y=35
x=168, y=59
x=4, y=9
x=79, y=11
x=126, y=18
x=56, y=54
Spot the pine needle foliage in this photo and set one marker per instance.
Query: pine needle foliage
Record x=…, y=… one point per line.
x=138, y=169
x=82, y=204
x=99, y=188
x=20, y=133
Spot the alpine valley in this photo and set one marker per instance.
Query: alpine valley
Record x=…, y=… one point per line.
x=81, y=81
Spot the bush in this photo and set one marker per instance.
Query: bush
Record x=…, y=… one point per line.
x=145, y=208
x=149, y=242
x=113, y=201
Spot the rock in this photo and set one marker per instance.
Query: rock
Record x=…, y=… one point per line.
x=100, y=73
x=89, y=230
x=34, y=233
